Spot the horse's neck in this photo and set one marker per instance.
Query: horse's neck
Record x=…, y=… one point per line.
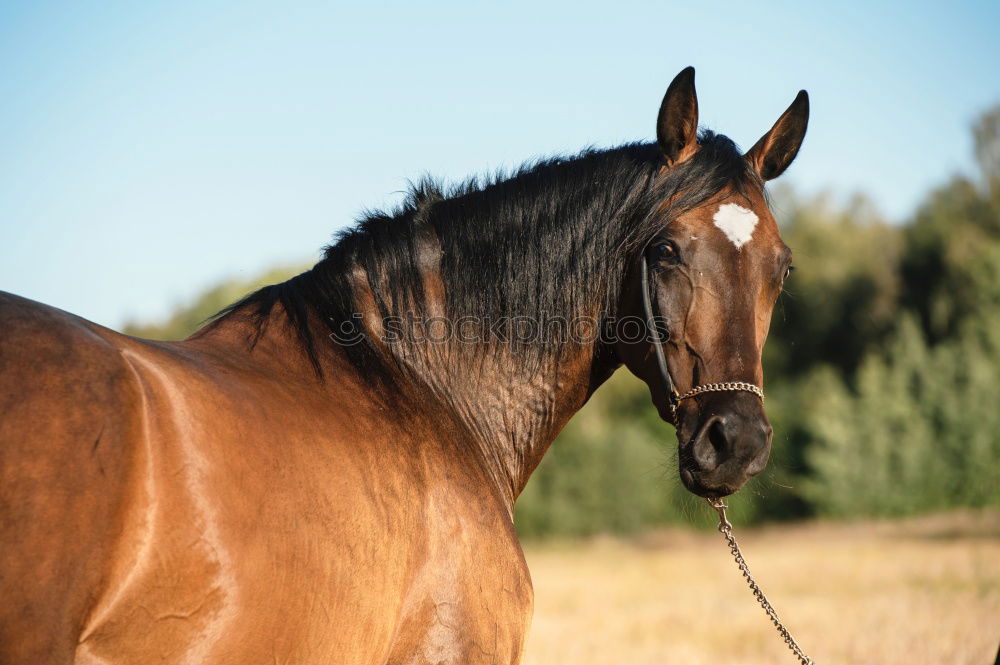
x=508, y=415
x=508, y=410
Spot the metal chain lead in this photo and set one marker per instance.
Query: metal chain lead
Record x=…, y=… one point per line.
x=726, y=529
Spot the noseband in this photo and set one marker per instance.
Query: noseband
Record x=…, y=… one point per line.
x=674, y=398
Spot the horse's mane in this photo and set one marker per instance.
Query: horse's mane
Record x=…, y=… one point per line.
x=551, y=239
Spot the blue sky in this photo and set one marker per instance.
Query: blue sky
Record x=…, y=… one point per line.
x=150, y=149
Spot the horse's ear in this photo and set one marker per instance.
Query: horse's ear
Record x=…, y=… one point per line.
x=677, y=123
x=775, y=150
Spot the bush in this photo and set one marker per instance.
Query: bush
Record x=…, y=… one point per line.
x=919, y=432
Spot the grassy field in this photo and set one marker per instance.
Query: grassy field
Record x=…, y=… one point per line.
x=915, y=592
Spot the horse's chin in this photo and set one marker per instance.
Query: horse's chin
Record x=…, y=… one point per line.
x=699, y=488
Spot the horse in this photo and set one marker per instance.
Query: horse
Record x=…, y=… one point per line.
x=326, y=472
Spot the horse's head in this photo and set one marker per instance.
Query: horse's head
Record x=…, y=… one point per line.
x=714, y=266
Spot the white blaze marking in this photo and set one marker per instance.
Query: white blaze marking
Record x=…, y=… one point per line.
x=736, y=222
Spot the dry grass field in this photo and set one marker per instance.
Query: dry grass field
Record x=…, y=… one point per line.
x=915, y=592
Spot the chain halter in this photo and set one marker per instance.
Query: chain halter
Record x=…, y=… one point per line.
x=674, y=400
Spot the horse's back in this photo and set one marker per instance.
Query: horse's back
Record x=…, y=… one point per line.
x=65, y=398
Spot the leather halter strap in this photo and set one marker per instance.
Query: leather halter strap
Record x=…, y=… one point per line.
x=674, y=398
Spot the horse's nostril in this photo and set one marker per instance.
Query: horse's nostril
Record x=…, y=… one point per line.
x=717, y=437
x=709, y=445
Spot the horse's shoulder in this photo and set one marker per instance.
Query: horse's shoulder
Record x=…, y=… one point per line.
x=472, y=599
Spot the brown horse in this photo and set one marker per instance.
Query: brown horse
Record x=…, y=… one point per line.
x=327, y=472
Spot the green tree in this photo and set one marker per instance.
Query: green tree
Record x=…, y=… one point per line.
x=952, y=231
x=842, y=297
x=919, y=429
x=919, y=433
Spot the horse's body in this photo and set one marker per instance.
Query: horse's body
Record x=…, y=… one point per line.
x=214, y=504
x=294, y=484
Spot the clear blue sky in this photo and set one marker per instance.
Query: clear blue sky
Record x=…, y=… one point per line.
x=150, y=149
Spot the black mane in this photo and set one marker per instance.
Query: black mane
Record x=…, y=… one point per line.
x=552, y=239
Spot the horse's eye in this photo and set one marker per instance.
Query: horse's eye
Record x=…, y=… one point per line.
x=667, y=251
x=788, y=271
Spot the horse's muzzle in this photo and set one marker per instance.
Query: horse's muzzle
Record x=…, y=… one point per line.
x=724, y=441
